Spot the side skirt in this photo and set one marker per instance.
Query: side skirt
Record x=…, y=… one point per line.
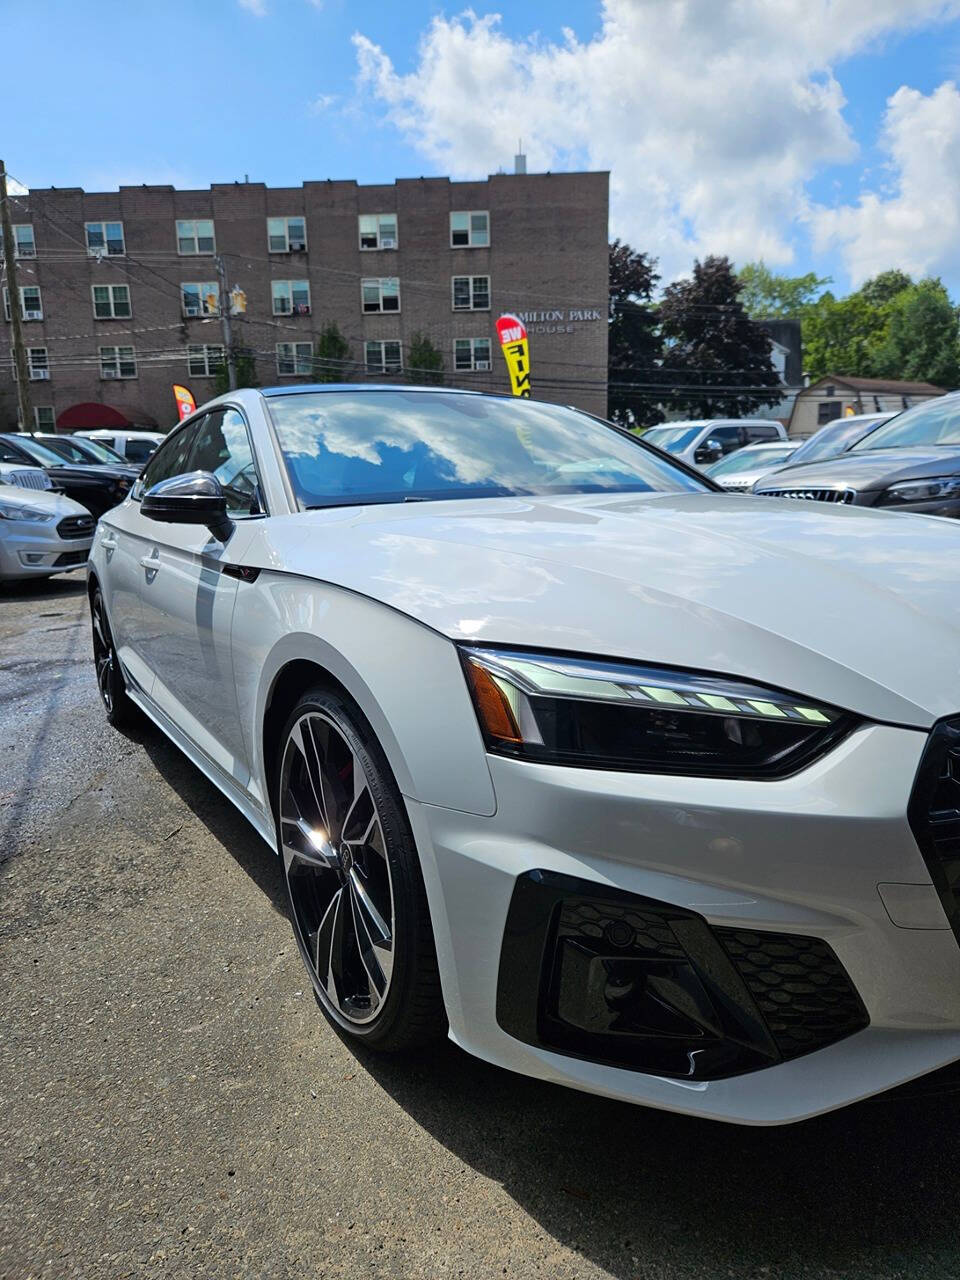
x=251, y=811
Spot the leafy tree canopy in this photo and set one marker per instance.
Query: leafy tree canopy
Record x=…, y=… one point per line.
x=717, y=358
x=424, y=361
x=331, y=354
x=764, y=293
x=635, y=345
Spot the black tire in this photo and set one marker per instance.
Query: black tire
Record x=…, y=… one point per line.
x=409, y=1012
x=121, y=712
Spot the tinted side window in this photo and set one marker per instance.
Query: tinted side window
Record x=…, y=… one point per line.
x=729, y=438
x=171, y=458
x=138, y=450
x=222, y=447
x=9, y=454
x=755, y=434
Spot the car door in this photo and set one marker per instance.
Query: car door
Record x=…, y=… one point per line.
x=126, y=538
x=187, y=595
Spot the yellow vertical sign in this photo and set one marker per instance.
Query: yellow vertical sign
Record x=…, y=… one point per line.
x=512, y=333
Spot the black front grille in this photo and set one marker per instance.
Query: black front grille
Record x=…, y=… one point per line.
x=800, y=987
x=606, y=975
x=844, y=496
x=935, y=814
x=76, y=527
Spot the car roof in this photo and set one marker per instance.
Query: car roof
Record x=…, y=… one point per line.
x=115, y=431
x=303, y=388
x=768, y=444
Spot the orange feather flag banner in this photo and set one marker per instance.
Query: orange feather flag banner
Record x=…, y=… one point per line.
x=185, y=401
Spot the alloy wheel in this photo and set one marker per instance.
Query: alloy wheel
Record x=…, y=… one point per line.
x=337, y=869
x=103, y=652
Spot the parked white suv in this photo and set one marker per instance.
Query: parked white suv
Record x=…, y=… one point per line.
x=132, y=446
x=702, y=441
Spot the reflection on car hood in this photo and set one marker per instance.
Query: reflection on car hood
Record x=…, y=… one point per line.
x=871, y=469
x=45, y=500
x=857, y=608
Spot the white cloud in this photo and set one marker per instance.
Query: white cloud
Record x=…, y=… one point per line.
x=916, y=224
x=321, y=103
x=257, y=7
x=711, y=116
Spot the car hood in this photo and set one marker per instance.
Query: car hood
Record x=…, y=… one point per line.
x=871, y=469
x=105, y=472
x=45, y=500
x=860, y=609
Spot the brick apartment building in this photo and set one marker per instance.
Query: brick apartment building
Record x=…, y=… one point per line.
x=120, y=291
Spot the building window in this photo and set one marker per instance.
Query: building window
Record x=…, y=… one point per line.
x=286, y=235
x=829, y=411
x=200, y=298
x=382, y=294
x=195, y=236
x=118, y=362
x=31, y=306
x=38, y=365
x=383, y=357
x=291, y=297
x=43, y=417
x=204, y=361
x=24, y=245
x=471, y=353
x=111, y=302
x=295, y=358
x=378, y=231
x=104, y=239
x=471, y=293
x=469, y=230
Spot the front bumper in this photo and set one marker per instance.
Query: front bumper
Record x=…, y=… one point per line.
x=32, y=550
x=827, y=854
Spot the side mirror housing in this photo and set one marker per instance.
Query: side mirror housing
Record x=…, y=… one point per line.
x=709, y=451
x=193, y=498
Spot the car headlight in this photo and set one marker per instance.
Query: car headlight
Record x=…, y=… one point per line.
x=932, y=490
x=612, y=715
x=14, y=511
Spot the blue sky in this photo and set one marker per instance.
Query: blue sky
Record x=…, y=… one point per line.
x=812, y=132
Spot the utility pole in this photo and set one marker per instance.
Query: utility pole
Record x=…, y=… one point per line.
x=225, y=326
x=16, y=320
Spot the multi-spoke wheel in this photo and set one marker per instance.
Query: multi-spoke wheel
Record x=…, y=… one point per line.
x=358, y=904
x=120, y=710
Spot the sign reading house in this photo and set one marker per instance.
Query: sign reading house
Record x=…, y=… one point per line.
x=561, y=320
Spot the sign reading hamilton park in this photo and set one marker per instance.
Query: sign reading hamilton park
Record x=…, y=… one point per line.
x=561, y=320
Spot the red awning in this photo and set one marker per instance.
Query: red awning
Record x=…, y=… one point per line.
x=89, y=416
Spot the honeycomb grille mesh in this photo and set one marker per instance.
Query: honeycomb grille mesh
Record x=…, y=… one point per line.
x=801, y=988
x=650, y=931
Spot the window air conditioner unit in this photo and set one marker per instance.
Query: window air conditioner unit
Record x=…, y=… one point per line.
x=191, y=311
x=108, y=373
x=39, y=375
x=387, y=242
x=297, y=246
x=33, y=315
x=301, y=309
x=482, y=364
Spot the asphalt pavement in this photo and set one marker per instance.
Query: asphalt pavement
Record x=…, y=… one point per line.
x=172, y=1103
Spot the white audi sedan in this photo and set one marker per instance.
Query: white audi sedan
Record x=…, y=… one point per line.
x=621, y=781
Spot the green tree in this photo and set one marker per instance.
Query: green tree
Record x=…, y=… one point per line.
x=840, y=336
x=634, y=343
x=883, y=288
x=331, y=355
x=920, y=340
x=424, y=361
x=246, y=373
x=765, y=293
x=716, y=357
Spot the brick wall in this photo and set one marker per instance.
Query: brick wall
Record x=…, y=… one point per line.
x=547, y=260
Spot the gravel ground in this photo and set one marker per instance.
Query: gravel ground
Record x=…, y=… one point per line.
x=172, y=1102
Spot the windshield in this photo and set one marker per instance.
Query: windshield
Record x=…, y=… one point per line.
x=935, y=423
x=748, y=460
x=401, y=446
x=39, y=452
x=97, y=450
x=673, y=439
x=81, y=450
x=832, y=440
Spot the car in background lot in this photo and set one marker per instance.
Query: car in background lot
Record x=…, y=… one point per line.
x=24, y=477
x=78, y=449
x=98, y=487
x=837, y=437
x=41, y=533
x=704, y=441
x=910, y=463
x=561, y=749
x=132, y=446
x=741, y=470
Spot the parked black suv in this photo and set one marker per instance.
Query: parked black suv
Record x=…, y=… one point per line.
x=912, y=463
x=96, y=487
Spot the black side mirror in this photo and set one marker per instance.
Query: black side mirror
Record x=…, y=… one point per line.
x=709, y=451
x=193, y=498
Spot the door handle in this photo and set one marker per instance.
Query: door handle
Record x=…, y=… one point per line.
x=150, y=563
x=108, y=544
